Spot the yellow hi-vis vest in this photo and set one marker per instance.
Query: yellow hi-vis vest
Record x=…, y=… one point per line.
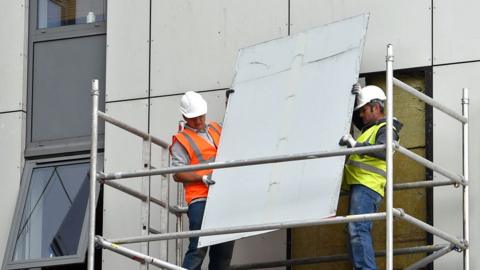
x=366, y=170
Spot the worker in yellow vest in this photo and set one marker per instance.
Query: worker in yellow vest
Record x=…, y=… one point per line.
x=365, y=174
x=197, y=143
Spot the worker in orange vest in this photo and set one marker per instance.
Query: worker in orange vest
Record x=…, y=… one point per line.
x=197, y=143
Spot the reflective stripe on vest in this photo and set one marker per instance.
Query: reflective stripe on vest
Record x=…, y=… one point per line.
x=364, y=169
x=199, y=151
x=196, y=150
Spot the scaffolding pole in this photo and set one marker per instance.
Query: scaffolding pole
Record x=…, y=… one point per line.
x=466, y=211
x=250, y=228
x=424, y=184
x=425, y=261
x=334, y=258
x=173, y=209
x=93, y=176
x=134, y=255
x=430, y=101
x=243, y=162
x=459, y=243
x=427, y=163
x=389, y=159
x=165, y=212
x=132, y=130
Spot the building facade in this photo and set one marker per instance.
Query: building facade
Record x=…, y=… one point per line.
x=148, y=53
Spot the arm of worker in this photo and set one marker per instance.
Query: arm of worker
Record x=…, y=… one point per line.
x=180, y=158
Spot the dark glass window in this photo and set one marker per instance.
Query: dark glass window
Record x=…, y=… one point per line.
x=53, y=213
x=50, y=224
x=61, y=100
x=55, y=13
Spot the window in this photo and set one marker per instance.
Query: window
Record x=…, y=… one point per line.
x=60, y=99
x=66, y=51
x=50, y=224
x=55, y=13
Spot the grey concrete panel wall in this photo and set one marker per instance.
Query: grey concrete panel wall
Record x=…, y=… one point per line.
x=12, y=138
x=261, y=248
x=448, y=82
x=405, y=24
x=194, y=44
x=127, y=49
x=123, y=152
x=455, y=31
x=13, y=48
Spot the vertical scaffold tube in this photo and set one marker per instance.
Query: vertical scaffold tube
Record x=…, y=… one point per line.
x=389, y=156
x=466, y=221
x=93, y=176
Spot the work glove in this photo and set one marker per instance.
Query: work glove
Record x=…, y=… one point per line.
x=347, y=140
x=356, y=88
x=207, y=180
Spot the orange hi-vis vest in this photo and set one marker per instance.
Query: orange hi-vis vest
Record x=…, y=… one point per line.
x=199, y=151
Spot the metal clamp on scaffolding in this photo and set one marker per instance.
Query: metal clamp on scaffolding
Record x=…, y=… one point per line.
x=391, y=145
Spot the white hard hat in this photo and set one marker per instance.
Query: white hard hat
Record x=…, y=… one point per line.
x=369, y=93
x=192, y=105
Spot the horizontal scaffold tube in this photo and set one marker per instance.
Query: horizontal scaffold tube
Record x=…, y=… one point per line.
x=250, y=228
x=430, y=101
x=427, y=163
x=141, y=196
x=243, y=162
x=134, y=255
x=333, y=258
x=429, y=228
x=133, y=130
x=423, y=184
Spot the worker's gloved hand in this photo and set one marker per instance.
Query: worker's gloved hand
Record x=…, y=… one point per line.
x=207, y=180
x=356, y=88
x=347, y=140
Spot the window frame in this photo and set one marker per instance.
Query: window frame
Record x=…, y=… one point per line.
x=75, y=29
x=79, y=257
x=56, y=146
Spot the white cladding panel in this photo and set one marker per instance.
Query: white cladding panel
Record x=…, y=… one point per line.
x=128, y=27
x=165, y=117
x=448, y=82
x=11, y=143
x=456, y=37
x=123, y=152
x=287, y=85
x=405, y=24
x=13, y=31
x=194, y=43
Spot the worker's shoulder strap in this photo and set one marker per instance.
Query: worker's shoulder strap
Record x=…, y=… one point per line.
x=215, y=130
x=215, y=127
x=384, y=124
x=373, y=130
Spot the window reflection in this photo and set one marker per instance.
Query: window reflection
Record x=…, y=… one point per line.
x=54, y=212
x=55, y=13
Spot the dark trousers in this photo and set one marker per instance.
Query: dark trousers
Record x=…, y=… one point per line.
x=362, y=201
x=220, y=254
